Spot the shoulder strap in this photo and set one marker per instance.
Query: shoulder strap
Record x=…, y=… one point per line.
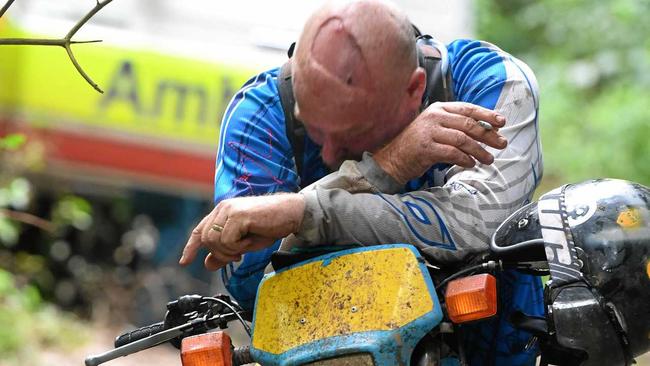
x=294, y=128
x=438, y=87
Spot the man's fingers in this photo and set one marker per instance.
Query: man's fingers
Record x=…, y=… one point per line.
x=190, y=250
x=229, y=248
x=473, y=128
x=453, y=155
x=218, y=259
x=233, y=230
x=223, y=257
x=213, y=263
x=463, y=142
x=475, y=112
x=193, y=244
x=206, y=231
x=255, y=242
x=215, y=228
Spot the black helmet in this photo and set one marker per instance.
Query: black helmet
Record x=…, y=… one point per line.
x=595, y=238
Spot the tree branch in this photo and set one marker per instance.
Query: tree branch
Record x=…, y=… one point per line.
x=64, y=42
x=4, y=8
x=40, y=42
x=28, y=219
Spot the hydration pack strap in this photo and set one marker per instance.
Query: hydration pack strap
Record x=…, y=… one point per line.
x=294, y=128
x=438, y=87
x=435, y=91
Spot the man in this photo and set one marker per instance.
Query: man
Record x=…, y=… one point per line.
x=358, y=88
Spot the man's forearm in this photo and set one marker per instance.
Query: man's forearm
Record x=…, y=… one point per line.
x=447, y=222
x=365, y=176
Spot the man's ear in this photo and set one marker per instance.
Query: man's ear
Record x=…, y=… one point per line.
x=415, y=90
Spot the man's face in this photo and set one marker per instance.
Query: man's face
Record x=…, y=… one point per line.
x=346, y=88
x=344, y=140
x=346, y=122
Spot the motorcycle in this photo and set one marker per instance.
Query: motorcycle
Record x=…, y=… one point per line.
x=386, y=305
x=328, y=308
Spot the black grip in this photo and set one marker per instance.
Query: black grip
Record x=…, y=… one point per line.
x=138, y=334
x=242, y=356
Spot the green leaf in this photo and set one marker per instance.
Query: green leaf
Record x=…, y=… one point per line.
x=6, y=284
x=12, y=141
x=74, y=211
x=8, y=232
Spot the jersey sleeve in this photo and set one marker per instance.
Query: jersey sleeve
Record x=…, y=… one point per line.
x=254, y=158
x=254, y=155
x=455, y=220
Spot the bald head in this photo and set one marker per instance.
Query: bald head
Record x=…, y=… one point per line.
x=360, y=41
x=353, y=62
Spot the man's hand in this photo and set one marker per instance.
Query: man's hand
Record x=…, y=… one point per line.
x=449, y=132
x=244, y=224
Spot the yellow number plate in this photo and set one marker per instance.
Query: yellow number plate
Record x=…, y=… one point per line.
x=371, y=290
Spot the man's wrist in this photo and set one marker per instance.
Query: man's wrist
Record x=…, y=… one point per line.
x=312, y=217
x=377, y=176
x=384, y=160
x=296, y=205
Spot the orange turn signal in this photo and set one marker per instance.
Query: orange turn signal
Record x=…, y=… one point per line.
x=209, y=349
x=471, y=298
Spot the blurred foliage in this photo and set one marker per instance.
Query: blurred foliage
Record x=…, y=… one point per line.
x=592, y=61
x=84, y=249
x=14, y=191
x=16, y=194
x=72, y=210
x=12, y=142
x=30, y=326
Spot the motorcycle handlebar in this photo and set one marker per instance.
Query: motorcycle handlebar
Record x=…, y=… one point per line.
x=138, y=334
x=240, y=355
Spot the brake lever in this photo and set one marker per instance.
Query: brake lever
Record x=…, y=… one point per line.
x=145, y=343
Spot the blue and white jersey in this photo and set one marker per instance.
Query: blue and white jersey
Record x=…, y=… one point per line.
x=450, y=211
